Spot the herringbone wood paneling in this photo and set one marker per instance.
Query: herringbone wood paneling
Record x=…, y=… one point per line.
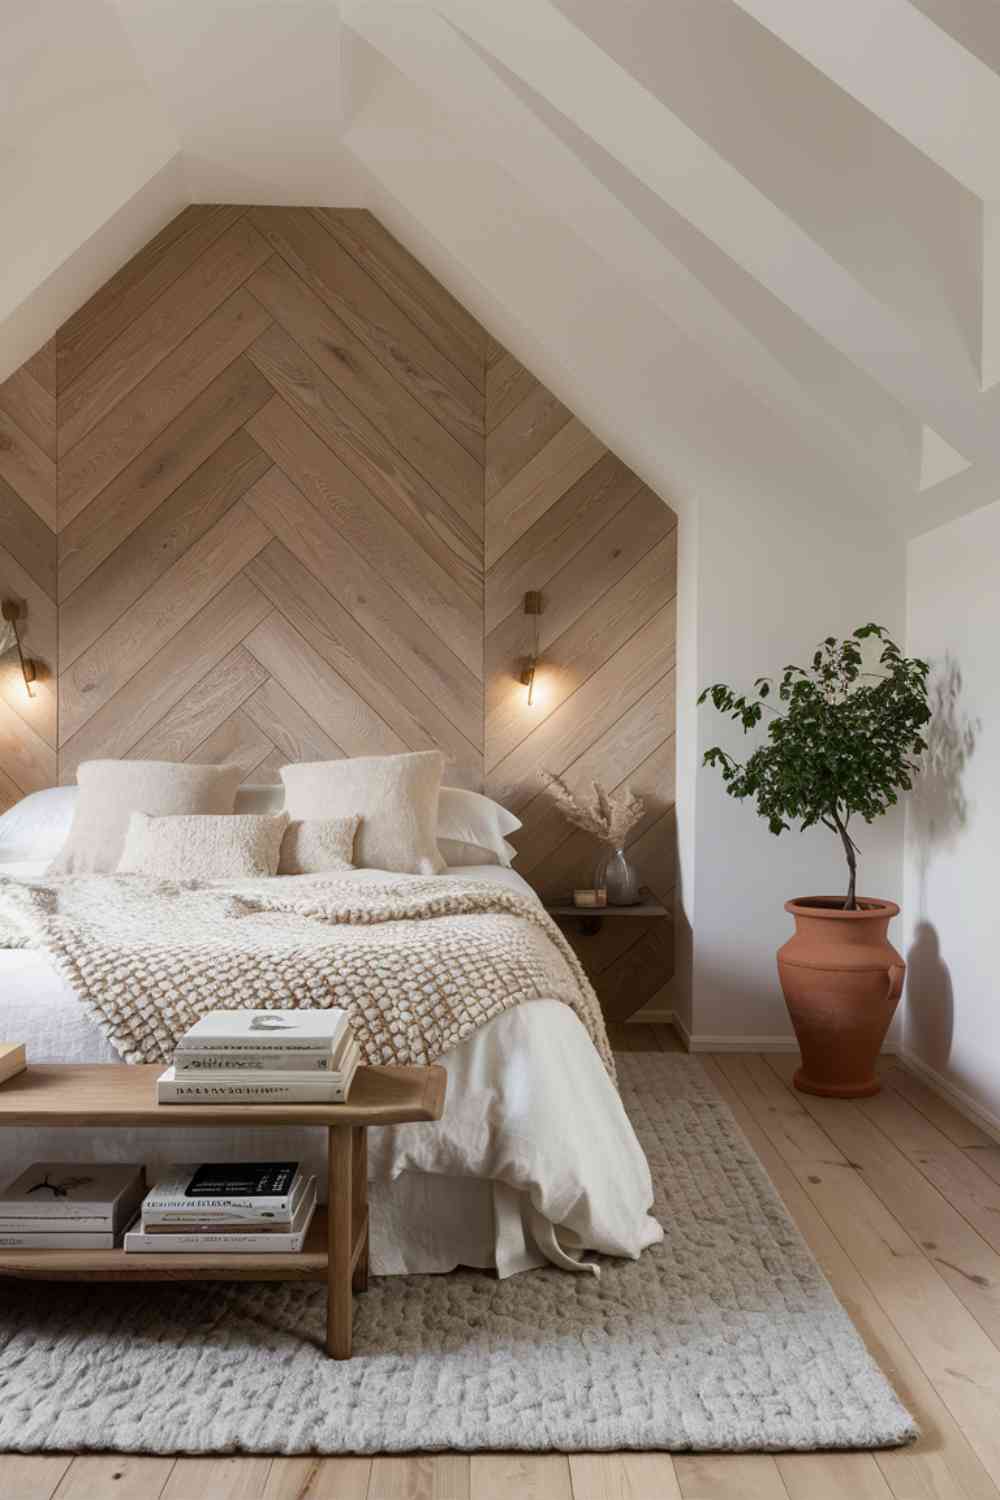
x=249, y=495
x=565, y=517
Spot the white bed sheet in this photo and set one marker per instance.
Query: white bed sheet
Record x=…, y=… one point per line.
x=534, y=1158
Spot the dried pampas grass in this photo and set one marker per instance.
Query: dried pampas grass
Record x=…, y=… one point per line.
x=609, y=816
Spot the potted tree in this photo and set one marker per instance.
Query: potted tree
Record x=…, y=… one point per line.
x=841, y=745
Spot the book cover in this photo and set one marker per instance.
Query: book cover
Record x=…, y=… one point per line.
x=64, y=1190
x=264, y=1030
x=168, y=1201
x=222, y=1242
x=224, y=1089
x=281, y=1068
x=13, y=1059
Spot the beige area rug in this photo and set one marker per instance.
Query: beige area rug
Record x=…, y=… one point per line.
x=726, y=1337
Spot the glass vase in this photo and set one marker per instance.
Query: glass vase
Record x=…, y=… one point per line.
x=617, y=876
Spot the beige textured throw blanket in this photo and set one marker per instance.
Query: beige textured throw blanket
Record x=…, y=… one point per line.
x=419, y=964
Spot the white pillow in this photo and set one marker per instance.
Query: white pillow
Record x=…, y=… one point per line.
x=396, y=797
x=111, y=790
x=312, y=845
x=38, y=825
x=471, y=829
x=232, y=846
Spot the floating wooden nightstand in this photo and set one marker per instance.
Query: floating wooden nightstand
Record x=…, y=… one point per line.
x=590, y=918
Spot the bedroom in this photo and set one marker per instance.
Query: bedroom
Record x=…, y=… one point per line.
x=386, y=478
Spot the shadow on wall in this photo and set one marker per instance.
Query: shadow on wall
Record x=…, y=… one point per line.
x=939, y=811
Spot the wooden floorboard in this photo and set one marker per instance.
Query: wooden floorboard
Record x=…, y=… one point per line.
x=864, y=1220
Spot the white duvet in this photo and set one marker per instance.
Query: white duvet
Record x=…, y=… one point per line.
x=534, y=1159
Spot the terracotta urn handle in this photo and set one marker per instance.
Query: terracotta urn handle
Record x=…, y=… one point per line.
x=897, y=973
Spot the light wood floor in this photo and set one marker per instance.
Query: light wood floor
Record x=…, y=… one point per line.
x=899, y=1198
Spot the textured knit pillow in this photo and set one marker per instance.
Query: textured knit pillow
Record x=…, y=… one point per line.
x=395, y=795
x=312, y=845
x=203, y=848
x=111, y=790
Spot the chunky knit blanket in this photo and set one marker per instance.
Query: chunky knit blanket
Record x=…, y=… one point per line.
x=418, y=964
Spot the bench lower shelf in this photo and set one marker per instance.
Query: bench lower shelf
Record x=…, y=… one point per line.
x=309, y=1264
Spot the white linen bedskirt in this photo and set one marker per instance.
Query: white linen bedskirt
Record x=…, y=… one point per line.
x=534, y=1158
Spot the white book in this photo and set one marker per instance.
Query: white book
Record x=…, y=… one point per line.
x=65, y=1191
x=73, y=1223
x=232, y=1192
x=137, y=1240
x=311, y=1061
x=70, y=1240
x=222, y=1088
x=275, y=1072
x=266, y=1030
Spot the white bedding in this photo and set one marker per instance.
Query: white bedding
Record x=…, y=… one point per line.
x=534, y=1158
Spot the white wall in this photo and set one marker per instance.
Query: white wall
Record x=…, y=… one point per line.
x=952, y=861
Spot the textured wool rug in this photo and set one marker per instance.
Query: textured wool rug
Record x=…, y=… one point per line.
x=725, y=1337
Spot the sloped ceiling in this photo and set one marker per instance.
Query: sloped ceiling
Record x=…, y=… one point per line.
x=732, y=232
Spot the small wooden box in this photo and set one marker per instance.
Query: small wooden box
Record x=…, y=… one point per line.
x=12, y=1059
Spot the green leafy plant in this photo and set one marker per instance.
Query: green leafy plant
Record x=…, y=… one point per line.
x=843, y=746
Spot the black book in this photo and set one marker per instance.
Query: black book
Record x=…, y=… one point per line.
x=242, y=1179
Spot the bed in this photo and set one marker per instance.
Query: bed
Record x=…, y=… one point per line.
x=535, y=1160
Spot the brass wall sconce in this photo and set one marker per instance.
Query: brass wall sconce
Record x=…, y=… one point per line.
x=10, y=635
x=532, y=606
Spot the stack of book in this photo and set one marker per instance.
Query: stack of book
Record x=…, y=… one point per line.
x=259, y=1207
x=263, y=1057
x=58, y=1205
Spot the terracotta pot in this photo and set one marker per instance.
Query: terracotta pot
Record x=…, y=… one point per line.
x=842, y=980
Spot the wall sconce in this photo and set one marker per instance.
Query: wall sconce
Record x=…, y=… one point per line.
x=10, y=636
x=532, y=606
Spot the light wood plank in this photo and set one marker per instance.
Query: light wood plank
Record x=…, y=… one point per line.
x=138, y=284
x=156, y=617
x=294, y=733
x=182, y=447
x=351, y=510
x=10, y=792
x=208, y=704
x=529, y=1476
x=157, y=331
x=305, y=242
x=454, y=540
x=987, y=1158
x=943, y=1463
x=236, y=742
x=132, y=424
x=728, y=1476
x=42, y=366
x=29, y=472
x=175, y=669
x=623, y=1476
x=217, y=1479
x=313, y=538
x=526, y=497
x=421, y=1476
x=26, y=758
x=31, y=407
x=958, y=1129
x=508, y=383
x=320, y=690
x=411, y=286
x=26, y=537
x=34, y=1476
x=522, y=435
x=318, y=1479
x=100, y=1476
x=599, y=627
x=557, y=536
x=566, y=733
x=832, y=1476
x=432, y=450
x=152, y=548
x=345, y=645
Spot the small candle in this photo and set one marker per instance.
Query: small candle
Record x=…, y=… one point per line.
x=590, y=898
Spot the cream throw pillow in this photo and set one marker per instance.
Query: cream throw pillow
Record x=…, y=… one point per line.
x=312, y=845
x=111, y=790
x=396, y=797
x=234, y=847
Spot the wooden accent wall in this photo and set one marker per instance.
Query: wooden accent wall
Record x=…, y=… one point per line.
x=566, y=517
x=298, y=495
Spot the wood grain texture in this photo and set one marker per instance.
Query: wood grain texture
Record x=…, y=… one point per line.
x=272, y=494
x=566, y=517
